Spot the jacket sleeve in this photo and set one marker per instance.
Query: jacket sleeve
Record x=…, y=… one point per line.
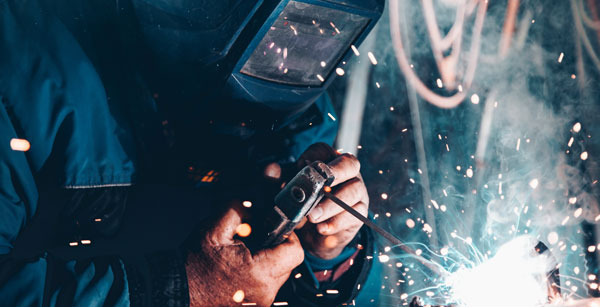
x=42, y=279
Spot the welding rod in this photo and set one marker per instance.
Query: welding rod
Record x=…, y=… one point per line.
x=390, y=237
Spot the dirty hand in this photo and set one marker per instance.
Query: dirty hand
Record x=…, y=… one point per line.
x=223, y=266
x=330, y=228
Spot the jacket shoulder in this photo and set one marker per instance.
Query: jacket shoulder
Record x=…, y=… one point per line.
x=56, y=99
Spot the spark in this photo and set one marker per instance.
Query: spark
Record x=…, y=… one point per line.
x=573, y=76
x=372, y=58
x=410, y=223
x=332, y=291
x=73, y=243
x=298, y=275
x=339, y=71
x=570, y=142
x=577, y=127
x=247, y=203
x=384, y=196
x=355, y=50
x=243, y=230
x=534, y=183
x=572, y=200
x=86, y=242
x=578, y=212
x=560, y=57
x=238, y=296
x=469, y=172
x=591, y=248
x=320, y=78
x=552, y=238
x=19, y=144
x=323, y=64
x=384, y=258
x=475, y=99
x=584, y=155
x=518, y=143
x=439, y=83
x=331, y=116
x=377, y=84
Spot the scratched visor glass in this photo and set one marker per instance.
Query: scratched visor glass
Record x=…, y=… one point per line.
x=304, y=44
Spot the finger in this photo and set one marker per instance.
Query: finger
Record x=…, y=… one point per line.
x=344, y=167
x=283, y=258
x=317, y=152
x=273, y=171
x=343, y=221
x=301, y=224
x=351, y=192
x=223, y=231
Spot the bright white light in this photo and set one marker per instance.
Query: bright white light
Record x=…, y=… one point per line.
x=534, y=183
x=515, y=276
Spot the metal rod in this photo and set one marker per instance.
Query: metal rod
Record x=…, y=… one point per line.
x=390, y=237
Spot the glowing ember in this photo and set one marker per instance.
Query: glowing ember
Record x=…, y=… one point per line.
x=243, y=230
x=247, y=203
x=584, y=155
x=238, y=296
x=339, y=71
x=475, y=99
x=410, y=223
x=19, y=145
x=577, y=127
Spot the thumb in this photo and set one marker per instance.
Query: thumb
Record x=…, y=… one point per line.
x=282, y=258
x=223, y=231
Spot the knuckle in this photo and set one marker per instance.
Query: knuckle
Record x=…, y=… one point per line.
x=351, y=159
x=362, y=208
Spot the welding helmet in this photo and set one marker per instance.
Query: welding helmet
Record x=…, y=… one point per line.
x=279, y=54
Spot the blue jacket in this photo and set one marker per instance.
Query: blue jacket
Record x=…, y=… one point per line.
x=87, y=131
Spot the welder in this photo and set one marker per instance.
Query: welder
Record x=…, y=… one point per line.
x=136, y=135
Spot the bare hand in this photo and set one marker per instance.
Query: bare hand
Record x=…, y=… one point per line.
x=225, y=273
x=330, y=228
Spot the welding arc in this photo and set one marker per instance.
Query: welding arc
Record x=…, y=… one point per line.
x=390, y=237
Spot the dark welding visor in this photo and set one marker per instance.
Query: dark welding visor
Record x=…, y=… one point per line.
x=285, y=56
x=304, y=44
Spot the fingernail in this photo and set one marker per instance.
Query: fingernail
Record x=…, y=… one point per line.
x=323, y=228
x=315, y=214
